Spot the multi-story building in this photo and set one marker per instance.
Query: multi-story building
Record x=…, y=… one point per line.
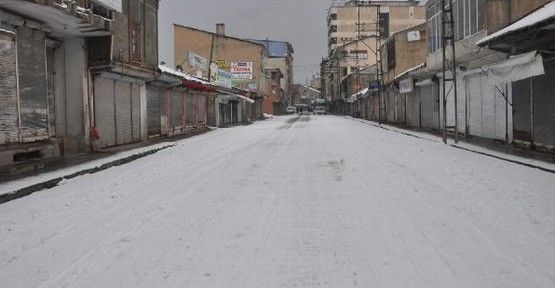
x=196, y=50
x=355, y=31
x=45, y=76
x=358, y=19
x=484, y=103
x=280, y=56
x=274, y=103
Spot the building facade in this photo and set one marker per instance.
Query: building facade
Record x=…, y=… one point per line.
x=45, y=77
x=196, y=50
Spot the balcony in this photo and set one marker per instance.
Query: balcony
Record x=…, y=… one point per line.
x=65, y=18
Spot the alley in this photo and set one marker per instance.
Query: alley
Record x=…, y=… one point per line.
x=310, y=201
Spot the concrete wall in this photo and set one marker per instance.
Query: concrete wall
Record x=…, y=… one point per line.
x=224, y=48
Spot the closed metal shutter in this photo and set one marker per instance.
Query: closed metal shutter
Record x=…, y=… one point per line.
x=176, y=109
x=430, y=106
x=136, y=112
x=190, y=109
x=154, y=108
x=33, y=101
x=544, y=106
x=104, y=111
x=8, y=90
x=124, y=128
x=202, y=109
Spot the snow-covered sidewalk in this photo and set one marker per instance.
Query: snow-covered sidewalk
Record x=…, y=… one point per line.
x=314, y=201
x=466, y=146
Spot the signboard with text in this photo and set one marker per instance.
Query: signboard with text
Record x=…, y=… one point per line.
x=220, y=77
x=242, y=70
x=197, y=61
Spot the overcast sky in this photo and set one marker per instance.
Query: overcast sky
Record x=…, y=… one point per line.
x=300, y=22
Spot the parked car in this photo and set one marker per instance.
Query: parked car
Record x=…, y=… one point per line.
x=319, y=111
x=291, y=110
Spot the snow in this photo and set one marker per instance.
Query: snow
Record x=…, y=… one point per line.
x=544, y=13
x=7, y=31
x=314, y=201
x=410, y=70
x=182, y=75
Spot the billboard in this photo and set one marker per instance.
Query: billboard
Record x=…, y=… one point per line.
x=242, y=70
x=197, y=61
x=112, y=4
x=220, y=77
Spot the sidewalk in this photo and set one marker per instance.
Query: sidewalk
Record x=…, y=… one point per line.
x=486, y=147
x=56, y=170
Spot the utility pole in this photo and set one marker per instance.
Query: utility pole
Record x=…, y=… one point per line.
x=449, y=65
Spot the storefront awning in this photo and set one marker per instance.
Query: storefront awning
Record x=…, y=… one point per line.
x=516, y=68
x=536, y=18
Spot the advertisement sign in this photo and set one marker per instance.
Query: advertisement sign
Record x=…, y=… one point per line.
x=112, y=4
x=223, y=64
x=242, y=70
x=220, y=77
x=197, y=61
x=245, y=85
x=413, y=36
x=406, y=85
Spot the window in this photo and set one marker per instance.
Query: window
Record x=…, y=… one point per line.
x=469, y=19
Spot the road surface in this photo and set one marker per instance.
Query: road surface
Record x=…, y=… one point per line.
x=317, y=201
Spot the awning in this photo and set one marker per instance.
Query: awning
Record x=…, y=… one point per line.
x=536, y=18
x=516, y=68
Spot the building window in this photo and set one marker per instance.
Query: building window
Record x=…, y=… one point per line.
x=469, y=19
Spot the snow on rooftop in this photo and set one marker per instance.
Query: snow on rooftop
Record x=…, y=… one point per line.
x=179, y=74
x=542, y=14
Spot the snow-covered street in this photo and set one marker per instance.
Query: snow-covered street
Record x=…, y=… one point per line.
x=315, y=201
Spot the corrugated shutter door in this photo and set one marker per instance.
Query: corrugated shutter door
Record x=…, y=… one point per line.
x=429, y=104
x=33, y=102
x=8, y=92
x=190, y=109
x=124, y=127
x=136, y=112
x=104, y=111
x=154, y=106
x=474, y=113
x=176, y=110
x=544, y=106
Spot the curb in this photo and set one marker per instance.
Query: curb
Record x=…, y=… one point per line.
x=460, y=147
x=49, y=184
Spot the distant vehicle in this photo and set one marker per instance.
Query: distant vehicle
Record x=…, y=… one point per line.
x=319, y=110
x=291, y=110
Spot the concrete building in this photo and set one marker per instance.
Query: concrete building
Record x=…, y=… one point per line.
x=484, y=108
x=45, y=76
x=393, y=16
x=280, y=56
x=305, y=94
x=353, y=45
x=274, y=103
x=195, y=51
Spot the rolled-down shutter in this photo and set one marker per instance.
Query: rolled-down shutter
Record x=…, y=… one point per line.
x=176, y=110
x=8, y=90
x=124, y=128
x=104, y=111
x=33, y=103
x=136, y=112
x=154, y=108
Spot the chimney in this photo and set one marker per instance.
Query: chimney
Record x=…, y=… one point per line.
x=220, y=29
